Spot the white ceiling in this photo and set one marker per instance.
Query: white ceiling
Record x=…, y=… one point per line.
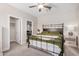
x=34, y=11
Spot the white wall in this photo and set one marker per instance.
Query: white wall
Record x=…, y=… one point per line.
x=18, y=31
x=23, y=30
x=6, y=11
x=63, y=13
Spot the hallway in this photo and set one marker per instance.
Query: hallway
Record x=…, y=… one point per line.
x=18, y=50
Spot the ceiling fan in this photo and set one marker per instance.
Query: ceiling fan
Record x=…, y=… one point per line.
x=40, y=6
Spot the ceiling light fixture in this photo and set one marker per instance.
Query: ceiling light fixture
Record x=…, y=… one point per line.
x=40, y=6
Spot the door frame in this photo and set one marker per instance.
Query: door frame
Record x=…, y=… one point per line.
x=9, y=27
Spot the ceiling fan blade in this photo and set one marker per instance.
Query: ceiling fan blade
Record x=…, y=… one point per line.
x=49, y=7
x=32, y=6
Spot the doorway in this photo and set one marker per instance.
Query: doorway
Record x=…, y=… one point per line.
x=12, y=29
x=15, y=32
x=29, y=31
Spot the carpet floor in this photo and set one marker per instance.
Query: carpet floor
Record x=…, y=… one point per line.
x=22, y=50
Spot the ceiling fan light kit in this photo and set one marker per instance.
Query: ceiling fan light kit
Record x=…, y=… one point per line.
x=40, y=6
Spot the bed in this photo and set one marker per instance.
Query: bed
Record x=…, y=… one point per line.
x=50, y=39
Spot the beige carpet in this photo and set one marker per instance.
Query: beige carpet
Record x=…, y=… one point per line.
x=18, y=50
